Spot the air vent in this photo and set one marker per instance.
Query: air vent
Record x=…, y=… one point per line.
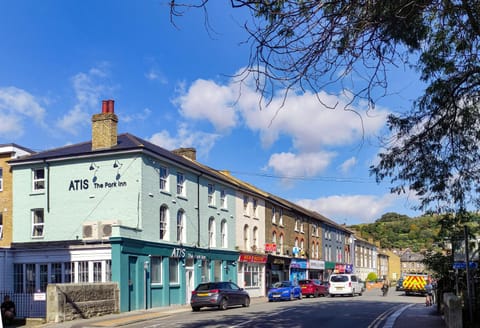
x=90, y=230
x=106, y=228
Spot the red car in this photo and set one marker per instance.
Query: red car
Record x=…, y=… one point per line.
x=313, y=287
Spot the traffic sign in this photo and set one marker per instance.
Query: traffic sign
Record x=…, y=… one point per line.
x=463, y=266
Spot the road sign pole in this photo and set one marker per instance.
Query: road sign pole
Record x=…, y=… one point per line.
x=469, y=289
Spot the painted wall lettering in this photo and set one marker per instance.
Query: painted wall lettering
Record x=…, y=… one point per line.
x=178, y=252
x=79, y=184
x=112, y=184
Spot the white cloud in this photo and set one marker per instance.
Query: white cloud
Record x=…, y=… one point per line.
x=16, y=105
x=88, y=88
x=185, y=137
x=345, y=208
x=348, y=164
x=307, y=118
x=210, y=101
x=300, y=165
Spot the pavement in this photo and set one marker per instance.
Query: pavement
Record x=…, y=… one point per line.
x=407, y=316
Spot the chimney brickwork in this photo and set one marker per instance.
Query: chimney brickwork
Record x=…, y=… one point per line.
x=104, y=127
x=186, y=152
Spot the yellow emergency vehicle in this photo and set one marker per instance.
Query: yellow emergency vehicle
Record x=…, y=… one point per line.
x=415, y=283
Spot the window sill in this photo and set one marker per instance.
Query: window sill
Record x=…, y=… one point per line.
x=37, y=192
x=165, y=192
x=182, y=197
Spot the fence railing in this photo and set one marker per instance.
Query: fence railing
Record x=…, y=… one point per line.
x=25, y=305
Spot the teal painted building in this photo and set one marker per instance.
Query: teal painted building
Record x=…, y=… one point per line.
x=122, y=209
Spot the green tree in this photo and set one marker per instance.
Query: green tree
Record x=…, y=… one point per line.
x=372, y=276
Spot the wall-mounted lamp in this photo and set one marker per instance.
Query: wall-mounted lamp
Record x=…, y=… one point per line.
x=234, y=263
x=117, y=164
x=93, y=166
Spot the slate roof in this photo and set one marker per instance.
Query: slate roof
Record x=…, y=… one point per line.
x=126, y=142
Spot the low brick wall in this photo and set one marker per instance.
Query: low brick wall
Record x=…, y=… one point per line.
x=452, y=310
x=66, y=302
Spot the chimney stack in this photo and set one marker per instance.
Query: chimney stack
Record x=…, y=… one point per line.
x=104, y=127
x=190, y=153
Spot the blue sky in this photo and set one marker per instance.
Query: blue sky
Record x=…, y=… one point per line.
x=173, y=85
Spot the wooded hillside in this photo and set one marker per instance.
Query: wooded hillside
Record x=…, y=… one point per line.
x=399, y=231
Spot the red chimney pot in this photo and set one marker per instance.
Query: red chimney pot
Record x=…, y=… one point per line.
x=104, y=106
x=111, y=104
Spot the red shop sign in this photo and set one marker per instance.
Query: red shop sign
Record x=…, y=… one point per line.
x=252, y=258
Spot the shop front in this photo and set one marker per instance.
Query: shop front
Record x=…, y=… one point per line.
x=298, y=270
x=277, y=269
x=316, y=269
x=251, y=273
x=155, y=274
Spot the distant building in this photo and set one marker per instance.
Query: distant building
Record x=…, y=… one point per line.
x=394, y=266
x=412, y=262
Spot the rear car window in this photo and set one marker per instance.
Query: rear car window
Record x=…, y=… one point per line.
x=339, y=278
x=208, y=286
x=304, y=282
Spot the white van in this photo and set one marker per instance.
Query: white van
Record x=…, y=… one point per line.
x=344, y=284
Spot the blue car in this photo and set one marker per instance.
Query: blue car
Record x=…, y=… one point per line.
x=284, y=290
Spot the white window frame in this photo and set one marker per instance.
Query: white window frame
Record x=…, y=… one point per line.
x=181, y=184
x=211, y=232
x=163, y=175
x=255, y=238
x=211, y=194
x=37, y=225
x=246, y=237
x=280, y=216
x=274, y=219
x=223, y=198
x=38, y=183
x=280, y=242
x=180, y=226
x=163, y=221
x=245, y=204
x=255, y=207
x=224, y=233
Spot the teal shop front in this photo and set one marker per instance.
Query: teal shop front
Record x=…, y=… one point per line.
x=159, y=274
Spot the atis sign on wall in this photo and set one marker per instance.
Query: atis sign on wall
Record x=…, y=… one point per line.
x=85, y=184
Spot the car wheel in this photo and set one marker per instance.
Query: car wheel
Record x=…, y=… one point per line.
x=316, y=294
x=195, y=309
x=300, y=296
x=223, y=304
x=332, y=295
x=246, y=303
x=291, y=296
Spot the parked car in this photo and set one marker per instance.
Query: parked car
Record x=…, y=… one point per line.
x=399, y=286
x=284, y=290
x=313, y=287
x=344, y=284
x=221, y=294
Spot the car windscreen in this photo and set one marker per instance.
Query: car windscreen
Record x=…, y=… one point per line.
x=338, y=278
